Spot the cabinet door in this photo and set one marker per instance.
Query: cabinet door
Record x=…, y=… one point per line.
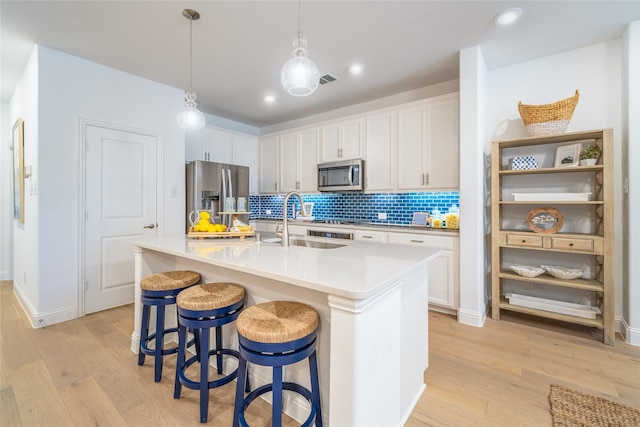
x=217, y=146
x=411, y=145
x=245, y=153
x=441, y=280
x=289, y=160
x=194, y=145
x=308, y=169
x=443, y=143
x=269, y=165
x=351, y=139
x=380, y=153
x=330, y=143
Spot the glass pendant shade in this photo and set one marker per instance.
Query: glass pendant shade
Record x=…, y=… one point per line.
x=300, y=75
x=191, y=118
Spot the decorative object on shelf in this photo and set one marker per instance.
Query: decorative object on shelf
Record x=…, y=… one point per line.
x=17, y=141
x=545, y=219
x=548, y=119
x=452, y=218
x=554, y=306
x=589, y=155
x=568, y=155
x=191, y=118
x=300, y=75
x=523, y=162
x=551, y=197
x=527, y=270
x=563, y=272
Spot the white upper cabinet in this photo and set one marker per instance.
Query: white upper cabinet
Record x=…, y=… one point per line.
x=297, y=160
x=342, y=140
x=217, y=146
x=308, y=166
x=443, y=142
x=428, y=144
x=269, y=164
x=289, y=161
x=380, y=138
x=412, y=145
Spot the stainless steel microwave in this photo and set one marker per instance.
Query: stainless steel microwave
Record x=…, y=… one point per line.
x=346, y=175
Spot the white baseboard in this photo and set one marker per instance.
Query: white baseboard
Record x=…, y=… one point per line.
x=40, y=320
x=471, y=318
x=629, y=334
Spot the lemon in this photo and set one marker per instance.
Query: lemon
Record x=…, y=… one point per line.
x=218, y=228
x=204, y=215
x=211, y=228
x=204, y=222
x=223, y=227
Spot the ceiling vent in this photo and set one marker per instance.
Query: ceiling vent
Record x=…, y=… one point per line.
x=327, y=78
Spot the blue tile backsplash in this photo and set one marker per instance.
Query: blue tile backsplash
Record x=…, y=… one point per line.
x=399, y=207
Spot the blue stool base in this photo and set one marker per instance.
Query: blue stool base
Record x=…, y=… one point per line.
x=278, y=355
x=201, y=323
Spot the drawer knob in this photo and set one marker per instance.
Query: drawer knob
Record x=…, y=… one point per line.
x=524, y=241
x=570, y=244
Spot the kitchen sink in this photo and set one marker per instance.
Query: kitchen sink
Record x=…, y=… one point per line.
x=314, y=244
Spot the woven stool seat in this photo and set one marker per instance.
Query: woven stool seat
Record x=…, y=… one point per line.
x=277, y=321
x=277, y=334
x=160, y=290
x=169, y=280
x=210, y=296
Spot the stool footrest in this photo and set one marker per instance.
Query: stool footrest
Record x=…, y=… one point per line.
x=195, y=385
x=296, y=388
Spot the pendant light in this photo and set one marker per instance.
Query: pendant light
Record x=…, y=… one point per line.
x=300, y=75
x=190, y=118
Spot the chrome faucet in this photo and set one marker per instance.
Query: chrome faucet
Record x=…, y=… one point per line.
x=284, y=240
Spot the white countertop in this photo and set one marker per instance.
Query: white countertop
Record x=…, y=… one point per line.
x=357, y=270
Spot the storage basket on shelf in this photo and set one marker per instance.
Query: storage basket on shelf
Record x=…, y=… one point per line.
x=548, y=119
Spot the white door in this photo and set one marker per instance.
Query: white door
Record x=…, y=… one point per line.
x=120, y=205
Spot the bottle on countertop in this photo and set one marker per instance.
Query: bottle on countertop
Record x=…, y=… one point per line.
x=436, y=218
x=452, y=218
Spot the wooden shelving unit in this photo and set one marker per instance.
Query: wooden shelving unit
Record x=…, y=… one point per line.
x=512, y=245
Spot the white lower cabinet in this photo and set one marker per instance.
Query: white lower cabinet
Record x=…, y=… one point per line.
x=443, y=271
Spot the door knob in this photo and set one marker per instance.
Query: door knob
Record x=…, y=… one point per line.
x=150, y=226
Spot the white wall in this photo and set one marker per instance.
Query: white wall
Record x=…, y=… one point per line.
x=594, y=70
x=6, y=199
x=631, y=200
x=473, y=76
x=24, y=104
x=69, y=89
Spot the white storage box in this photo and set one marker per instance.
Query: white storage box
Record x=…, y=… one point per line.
x=554, y=306
x=551, y=197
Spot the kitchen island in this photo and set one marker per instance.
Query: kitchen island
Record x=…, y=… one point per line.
x=372, y=302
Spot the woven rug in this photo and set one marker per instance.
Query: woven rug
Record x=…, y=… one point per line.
x=570, y=408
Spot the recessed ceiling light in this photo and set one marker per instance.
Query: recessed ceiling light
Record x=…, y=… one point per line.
x=269, y=99
x=355, y=69
x=508, y=16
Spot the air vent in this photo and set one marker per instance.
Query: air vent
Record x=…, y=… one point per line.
x=327, y=78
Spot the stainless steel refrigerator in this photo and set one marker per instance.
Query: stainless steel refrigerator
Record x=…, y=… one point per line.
x=210, y=184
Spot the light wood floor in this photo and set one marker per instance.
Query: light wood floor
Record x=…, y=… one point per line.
x=82, y=373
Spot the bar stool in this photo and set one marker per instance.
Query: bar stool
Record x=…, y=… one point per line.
x=159, y=290
x=202, y=307
x=276, y=334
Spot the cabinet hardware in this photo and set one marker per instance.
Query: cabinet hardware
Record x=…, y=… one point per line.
x=367, y=237
x=417, y=241
x=427, y=179
x=150, y=226
x=570, y=244
x=423, y=180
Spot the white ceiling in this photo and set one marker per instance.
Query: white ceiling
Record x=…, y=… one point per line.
x=240, y=46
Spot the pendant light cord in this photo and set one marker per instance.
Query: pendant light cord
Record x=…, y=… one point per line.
x=299, y=20
x=191, y=54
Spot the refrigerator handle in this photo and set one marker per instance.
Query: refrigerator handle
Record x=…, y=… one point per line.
x=230, y=183
x=224, y=189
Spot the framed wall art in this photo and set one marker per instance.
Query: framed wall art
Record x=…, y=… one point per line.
x=568, y=155
x=17, y=143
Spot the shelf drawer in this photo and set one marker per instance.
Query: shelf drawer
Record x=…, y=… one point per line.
x=522, y=241
x=585, y=245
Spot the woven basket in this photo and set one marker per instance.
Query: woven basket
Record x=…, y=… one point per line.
x=548, y=119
